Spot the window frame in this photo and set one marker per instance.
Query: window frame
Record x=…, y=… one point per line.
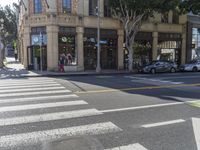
x=37, y=6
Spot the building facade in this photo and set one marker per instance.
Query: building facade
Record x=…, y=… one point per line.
x=49, y=28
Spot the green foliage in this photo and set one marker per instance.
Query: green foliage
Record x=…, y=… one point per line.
x=9, y=24
x=191, y=6
x=146, y=7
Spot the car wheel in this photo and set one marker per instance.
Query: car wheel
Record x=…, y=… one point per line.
x=153, y=71
x=194, y=69
x=172, y=70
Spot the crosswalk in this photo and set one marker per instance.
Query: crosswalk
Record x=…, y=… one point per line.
x=40, y=95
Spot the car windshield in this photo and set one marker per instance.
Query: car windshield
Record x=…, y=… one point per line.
x=152, y=63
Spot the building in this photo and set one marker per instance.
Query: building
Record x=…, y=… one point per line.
x=48, y=28
x=68, y=26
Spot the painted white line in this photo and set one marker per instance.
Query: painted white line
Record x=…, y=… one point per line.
x=135, y=146
x=32, y=89
x=21, y=83
x=34, y=93
x=163, y=123
x=42, y=105
x=40, y=98
x=141, y=107
x=29, y=86
x=49, y=135
x=196, y=129
x=49, y=117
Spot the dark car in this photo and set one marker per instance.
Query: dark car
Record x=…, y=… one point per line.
x=160, y=66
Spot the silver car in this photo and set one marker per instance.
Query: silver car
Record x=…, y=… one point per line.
x=160, y=66
x=194, y=66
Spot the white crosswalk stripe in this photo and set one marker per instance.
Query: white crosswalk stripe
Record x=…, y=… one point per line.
x=29, y=86
x=41, y=136
x=34, y=93
x=135, y=146
x=39, y=98
x=40, y=95
x=43, y=105
x=32, y=89
x=49, y=117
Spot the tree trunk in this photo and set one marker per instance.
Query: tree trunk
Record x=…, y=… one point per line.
x=1, y=58
x=130, y=60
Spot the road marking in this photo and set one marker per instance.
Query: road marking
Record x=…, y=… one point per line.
x=137, y=88
x=104, y=77
x=194, y=103
x=196, y=126
x=42, y=105
x=29, y=86
x=135, y=146
x=49, y=117
x=163, y=123
x=40, y=98
x=32, y=89
x=34, y=93
x=25, y=83
x=49, y=135
x=140, y=107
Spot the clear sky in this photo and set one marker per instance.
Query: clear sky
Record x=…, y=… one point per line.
x=7, y=2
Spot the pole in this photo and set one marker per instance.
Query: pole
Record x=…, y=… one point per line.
x=41, y=69
x=98, y=68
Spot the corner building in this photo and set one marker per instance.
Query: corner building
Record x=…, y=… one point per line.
x=48, y=28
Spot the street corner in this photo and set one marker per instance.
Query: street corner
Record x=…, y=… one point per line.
x=75, y=143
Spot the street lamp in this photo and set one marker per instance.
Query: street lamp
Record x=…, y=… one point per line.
x=98, y=68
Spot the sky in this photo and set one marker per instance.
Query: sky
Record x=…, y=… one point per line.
x=7, y=2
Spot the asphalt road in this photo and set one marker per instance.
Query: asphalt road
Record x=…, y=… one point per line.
x=119, y=112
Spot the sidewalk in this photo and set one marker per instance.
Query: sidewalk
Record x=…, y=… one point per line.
x=15, y=69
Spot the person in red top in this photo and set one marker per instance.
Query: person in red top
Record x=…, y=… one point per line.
x=62, y=63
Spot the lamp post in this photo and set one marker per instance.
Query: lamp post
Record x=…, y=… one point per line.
x=41, y=42
x=98, y=68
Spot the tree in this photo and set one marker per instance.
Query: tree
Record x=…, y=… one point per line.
x=8, y=29
x=133, y=12
x=191, y=6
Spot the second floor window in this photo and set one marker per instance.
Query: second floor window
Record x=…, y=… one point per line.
x=66, y=6
x=93, y=7
x=37, y=6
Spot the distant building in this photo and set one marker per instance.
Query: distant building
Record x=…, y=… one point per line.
x=70, y=26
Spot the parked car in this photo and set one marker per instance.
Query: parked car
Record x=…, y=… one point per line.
x=160, y=66
x=194, y=66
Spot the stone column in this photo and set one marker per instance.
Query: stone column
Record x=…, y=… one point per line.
x=101, y=8
x=120, y=52
x=86, y=7
x=183, y=51
x=170, y=16
x=52, y=48
x=155, y=45
x=79, y=47
x=26, y=42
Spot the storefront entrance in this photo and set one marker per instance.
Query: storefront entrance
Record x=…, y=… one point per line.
x=35, y=53
x=108, y=49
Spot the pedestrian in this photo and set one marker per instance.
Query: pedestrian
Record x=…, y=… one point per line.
x=61, y=63
x=69, y=58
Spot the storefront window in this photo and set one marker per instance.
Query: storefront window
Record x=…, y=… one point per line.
x=108, y=43
x=195, y=43
x=66, y=40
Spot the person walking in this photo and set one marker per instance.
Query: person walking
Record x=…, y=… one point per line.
x=61, y=63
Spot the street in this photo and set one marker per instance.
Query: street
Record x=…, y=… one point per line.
x=110, y=112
